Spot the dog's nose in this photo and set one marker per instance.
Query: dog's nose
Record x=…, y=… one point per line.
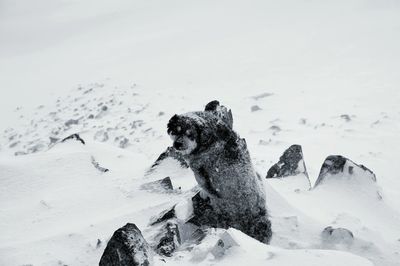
x=178, y=145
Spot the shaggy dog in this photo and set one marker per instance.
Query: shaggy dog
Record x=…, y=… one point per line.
x=232, y=194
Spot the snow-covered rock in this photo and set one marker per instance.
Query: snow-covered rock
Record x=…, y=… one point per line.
x=290, y=163
x=333, y=236
x=127, y=247
x=164, y=184
x=291, y=169
x=337, y=168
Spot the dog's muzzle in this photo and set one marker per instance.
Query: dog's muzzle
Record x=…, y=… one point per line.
x=179, y=145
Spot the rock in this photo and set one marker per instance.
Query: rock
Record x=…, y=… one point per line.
x=333, y=236
x=53, y=140
x=164, y=216
x=97, y=166
x=71, y=122
x=14, y=144
x=169, y=153
x=127, y=247
x=345, y=117
x=98, y=243
x=275, y=129
x=122, y=141
x=255, y=108
x=164, y=184
x=340, y=168
x=291, y=163
x=225, y=242
x=169, y=240
x=75, y=137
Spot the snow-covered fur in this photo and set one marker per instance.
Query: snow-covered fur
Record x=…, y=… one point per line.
x=233, y=193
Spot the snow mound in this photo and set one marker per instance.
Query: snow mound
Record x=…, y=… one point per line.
x=232, y=247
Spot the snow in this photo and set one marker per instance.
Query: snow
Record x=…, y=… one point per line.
x=324, y=73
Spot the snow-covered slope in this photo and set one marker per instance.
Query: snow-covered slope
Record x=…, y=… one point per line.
x=320, y=74
x=57, y=207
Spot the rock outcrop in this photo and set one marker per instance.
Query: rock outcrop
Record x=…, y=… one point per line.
x=291, y=163
x=127, y=247
x=74, y=137
x=169, y=153
x=333, y=236
x=337, y=167
x=161, y=185
x=169, y=239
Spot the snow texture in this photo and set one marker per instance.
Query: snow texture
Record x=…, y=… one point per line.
x=323, y=74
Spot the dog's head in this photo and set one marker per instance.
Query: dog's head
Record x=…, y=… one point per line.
x=184, y=133
x=196, y=132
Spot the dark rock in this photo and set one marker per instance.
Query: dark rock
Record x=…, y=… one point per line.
x=346, y=117
x=164, y=184
x=98, y=167
x=127, y=247
x=169, y=240
x=75, y=137
x=339, y=235
x=164, y=216
x=291, y=163
x=337, y=166
x=169, y=153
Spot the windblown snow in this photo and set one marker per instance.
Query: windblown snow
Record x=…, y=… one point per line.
x=322, y=75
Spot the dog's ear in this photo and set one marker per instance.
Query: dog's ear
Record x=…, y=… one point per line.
x=212, y=106
x=172, y=123
x=220, y=111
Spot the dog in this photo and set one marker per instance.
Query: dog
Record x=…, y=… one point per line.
x=232, y=194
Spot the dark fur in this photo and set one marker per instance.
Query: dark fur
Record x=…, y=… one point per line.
x=233, y=193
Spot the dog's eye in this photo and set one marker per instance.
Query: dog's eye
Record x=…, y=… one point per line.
x=189, y=133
